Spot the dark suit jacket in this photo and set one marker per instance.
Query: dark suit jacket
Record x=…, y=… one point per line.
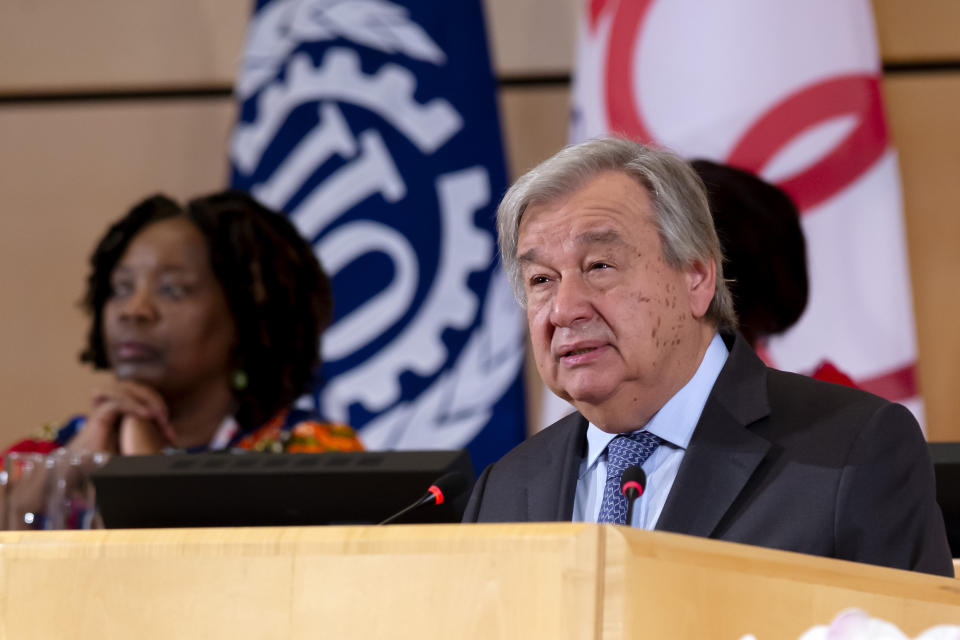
x=777, y=460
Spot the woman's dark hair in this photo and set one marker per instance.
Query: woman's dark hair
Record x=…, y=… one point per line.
x=763, y=246
x=280, y=299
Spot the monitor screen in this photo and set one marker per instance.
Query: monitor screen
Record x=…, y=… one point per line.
x=250, y=489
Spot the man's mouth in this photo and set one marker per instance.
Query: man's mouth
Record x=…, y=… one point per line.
x=577, y=352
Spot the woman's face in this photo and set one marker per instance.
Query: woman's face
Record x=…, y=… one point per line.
x=167, y=323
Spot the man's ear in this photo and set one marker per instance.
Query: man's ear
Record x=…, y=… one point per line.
x=701, y=278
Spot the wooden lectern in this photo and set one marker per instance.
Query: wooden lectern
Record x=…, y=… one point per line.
x=560, y=580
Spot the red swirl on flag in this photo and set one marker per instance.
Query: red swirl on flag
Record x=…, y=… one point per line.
x=832, y=97
x=855, y=94
x=623, y=114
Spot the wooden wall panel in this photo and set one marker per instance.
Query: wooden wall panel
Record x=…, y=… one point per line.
x=64, y=45
x=534, y=121
x=65, y=172
x=923, y=112
x=532, y=36
x=918, y=30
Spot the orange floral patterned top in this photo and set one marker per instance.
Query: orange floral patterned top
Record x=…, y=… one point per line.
x=300, y=436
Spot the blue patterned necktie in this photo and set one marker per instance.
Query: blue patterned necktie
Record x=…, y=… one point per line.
x=626, y=450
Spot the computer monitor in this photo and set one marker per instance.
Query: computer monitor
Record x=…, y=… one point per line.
x=250, y=489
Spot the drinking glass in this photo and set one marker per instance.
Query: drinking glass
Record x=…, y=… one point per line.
x=71, y=498
x=25, y=482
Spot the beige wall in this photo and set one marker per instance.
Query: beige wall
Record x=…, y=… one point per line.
x=69, y=166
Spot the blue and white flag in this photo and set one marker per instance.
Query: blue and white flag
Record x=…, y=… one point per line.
x=373, y=124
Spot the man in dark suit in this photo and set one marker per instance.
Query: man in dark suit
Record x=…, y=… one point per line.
x=611, y=249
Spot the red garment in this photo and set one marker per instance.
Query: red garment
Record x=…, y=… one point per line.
x=31, y=446
x=827, y=372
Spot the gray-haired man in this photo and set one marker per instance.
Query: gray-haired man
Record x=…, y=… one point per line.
x=611, y=249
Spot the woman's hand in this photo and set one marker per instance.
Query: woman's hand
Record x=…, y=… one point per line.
x=139, y=437
x=127, y=418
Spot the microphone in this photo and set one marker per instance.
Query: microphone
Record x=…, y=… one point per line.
x=632, y=483
x=449, y=485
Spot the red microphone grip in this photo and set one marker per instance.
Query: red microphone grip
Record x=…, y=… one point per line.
x=632, y=484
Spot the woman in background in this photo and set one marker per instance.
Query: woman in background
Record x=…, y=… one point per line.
x=765, y=256
x=209, y=316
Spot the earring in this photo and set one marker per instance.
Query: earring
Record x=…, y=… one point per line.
x=239, y=380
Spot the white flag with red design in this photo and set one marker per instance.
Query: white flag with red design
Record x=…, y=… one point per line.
x=790, y=91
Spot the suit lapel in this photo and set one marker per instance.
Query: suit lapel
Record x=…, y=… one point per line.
x=552, y=488
x=723, y=453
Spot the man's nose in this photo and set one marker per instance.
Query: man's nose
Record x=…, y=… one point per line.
x=571, y=302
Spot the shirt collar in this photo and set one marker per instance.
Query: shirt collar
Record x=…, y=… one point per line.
x=675, y=421
x=224, y=434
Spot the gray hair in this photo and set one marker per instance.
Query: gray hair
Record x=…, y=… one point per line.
x=676, y=192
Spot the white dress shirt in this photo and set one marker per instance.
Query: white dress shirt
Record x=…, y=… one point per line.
x=674, y=424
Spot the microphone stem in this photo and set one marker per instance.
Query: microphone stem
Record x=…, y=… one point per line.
x=632, y=495
x=422, y=501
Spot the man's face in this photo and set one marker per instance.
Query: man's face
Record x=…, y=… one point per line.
x=614, y=329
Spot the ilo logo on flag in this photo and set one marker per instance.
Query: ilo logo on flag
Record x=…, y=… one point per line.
x=373, y=125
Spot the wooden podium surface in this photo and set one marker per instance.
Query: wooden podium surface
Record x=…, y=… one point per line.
x=560, y=580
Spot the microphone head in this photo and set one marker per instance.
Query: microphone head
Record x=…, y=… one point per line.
x=633, y=478
x=449, y=485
